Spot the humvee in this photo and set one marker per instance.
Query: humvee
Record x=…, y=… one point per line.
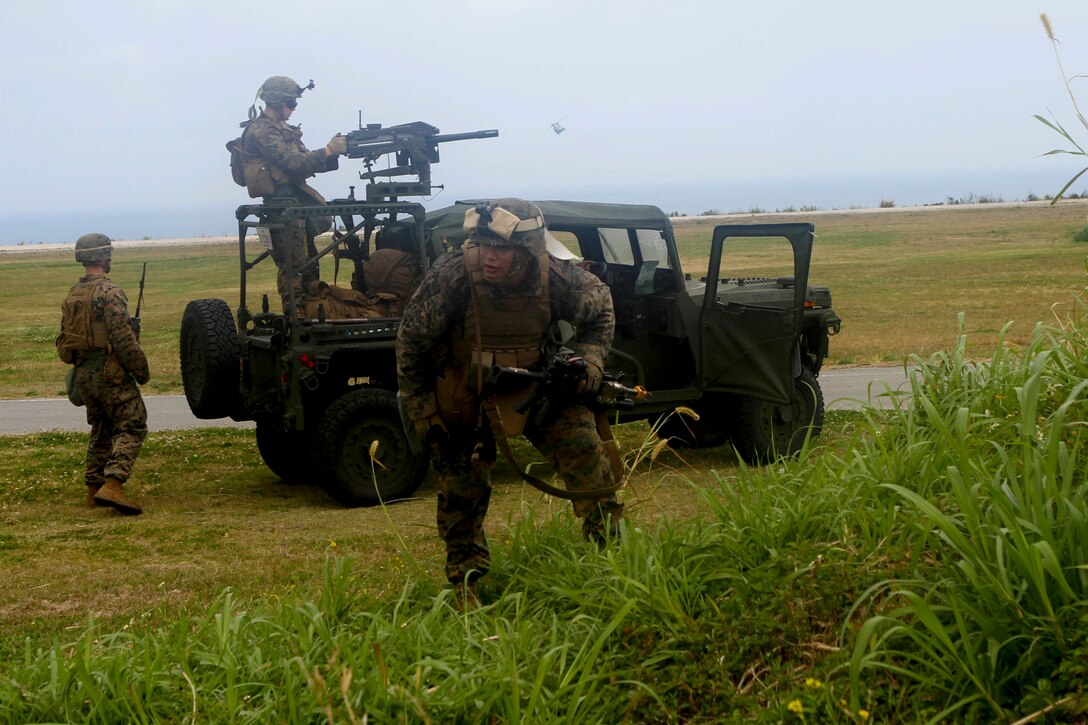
x=744, y=353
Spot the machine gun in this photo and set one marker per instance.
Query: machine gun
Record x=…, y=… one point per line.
x=557, y=385
x=416, y=147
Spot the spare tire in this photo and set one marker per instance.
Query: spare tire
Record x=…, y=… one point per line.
x=356, y=422
x=209, y=358
x=765, y=431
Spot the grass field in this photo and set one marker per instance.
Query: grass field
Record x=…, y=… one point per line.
x=926, y=563
x=898, y=279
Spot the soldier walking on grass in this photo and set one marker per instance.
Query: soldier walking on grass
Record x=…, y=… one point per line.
x=276, y=166
x=498, y=301
x=99, y=338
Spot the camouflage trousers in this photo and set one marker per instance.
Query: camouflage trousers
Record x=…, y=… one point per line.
x=118, y=421
x=571, y=444
x=293, y=237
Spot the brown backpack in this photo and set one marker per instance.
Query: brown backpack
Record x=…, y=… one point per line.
x=340, y=303
x=80, y=332
x=237, y=165
x=238, y=158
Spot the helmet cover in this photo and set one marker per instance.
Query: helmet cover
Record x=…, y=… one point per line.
x=93, y=248
x=507, y=222
x=279, y=89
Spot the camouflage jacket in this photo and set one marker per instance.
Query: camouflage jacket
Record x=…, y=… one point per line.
x=110, y=305
x=435, y=317
x=280, y=145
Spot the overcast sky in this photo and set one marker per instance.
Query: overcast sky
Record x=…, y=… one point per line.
x=113, y=104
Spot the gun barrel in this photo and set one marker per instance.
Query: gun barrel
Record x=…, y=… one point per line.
x=445, y=137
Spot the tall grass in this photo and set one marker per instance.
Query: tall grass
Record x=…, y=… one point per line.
x=932, y=567
x=1077, y=149
x=668, y=624
x=999, y=492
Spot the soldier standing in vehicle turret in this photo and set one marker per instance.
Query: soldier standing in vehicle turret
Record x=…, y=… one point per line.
x=277, y=165
x=498, y=301
x=102, y=341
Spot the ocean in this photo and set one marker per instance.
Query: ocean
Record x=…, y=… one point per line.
x=688, y=198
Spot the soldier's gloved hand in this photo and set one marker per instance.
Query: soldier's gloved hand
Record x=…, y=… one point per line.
x=142, y=379
x=591, y=383
x=432, y=429
x=337, y=145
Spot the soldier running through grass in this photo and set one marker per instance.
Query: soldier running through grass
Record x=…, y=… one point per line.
x=498, y=301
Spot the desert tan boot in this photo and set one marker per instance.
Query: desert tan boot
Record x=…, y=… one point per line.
x=91, y=491
x=110, y=495
x=468, y=596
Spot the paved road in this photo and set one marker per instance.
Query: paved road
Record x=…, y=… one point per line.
x=850, y=388
x=844, y=389
x=164, y=412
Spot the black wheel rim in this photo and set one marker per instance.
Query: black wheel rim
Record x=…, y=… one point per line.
x=389, y=455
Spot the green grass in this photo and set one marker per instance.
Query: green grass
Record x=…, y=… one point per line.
x=175, y=275
x=898, y=279
x=925, y=563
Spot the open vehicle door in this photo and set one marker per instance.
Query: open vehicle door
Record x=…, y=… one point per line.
x=745, y=346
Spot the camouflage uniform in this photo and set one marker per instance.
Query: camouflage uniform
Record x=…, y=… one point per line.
x=107, y=384
x=279, y=145
x=434, y=318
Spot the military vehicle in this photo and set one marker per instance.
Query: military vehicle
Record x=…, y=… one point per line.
x=743, y=353
x=322, y=391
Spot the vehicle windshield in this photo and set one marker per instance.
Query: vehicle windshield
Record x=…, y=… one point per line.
x=616, y=246
x=652, y=243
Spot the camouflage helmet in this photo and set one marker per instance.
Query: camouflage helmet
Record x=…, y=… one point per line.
x=507, y=222
x=93, y=248
x=279, y=89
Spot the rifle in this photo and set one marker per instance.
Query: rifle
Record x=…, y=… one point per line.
x=557, y=387
x=416, y=147
x=139, y=302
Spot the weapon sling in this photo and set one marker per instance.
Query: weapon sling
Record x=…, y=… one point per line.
x=488, y=410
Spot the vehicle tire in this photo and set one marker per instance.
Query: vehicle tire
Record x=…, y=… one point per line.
x=766, y=431
x=209, y=358
x=342, y=450
x=286, y=453
x=712, y=429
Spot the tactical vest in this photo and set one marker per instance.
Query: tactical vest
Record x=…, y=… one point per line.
x=499, y=329
x=263, y=178
x=81, y=334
